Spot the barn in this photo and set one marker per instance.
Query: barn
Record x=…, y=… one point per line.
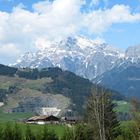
x=43, y=120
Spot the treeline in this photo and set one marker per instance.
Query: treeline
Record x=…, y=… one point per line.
x=30, y=73
x=8, y=71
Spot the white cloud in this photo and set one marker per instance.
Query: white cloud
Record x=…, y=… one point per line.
x=100, y=20
x=56, y=20
x=8, y=52
x=9, y=49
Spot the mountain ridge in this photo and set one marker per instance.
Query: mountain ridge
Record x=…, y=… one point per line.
x=84, y=57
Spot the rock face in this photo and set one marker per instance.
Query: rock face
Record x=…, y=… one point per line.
x=84, y=57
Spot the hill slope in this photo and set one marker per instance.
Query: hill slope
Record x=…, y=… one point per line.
x=27, y=90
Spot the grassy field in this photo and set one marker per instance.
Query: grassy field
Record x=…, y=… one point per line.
x=122, y=106
x=13, y=118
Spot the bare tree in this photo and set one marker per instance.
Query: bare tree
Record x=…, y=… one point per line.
x=100, y=114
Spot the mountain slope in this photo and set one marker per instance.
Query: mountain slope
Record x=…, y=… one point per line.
x=27, y=90
x=125, y=76
x=126, y=81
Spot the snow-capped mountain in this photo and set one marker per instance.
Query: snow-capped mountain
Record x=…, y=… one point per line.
x=85, y=57
x=125, y=76
x=131, y=58
x=94, y=60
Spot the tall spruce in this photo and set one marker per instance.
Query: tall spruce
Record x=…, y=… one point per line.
x=100, y=115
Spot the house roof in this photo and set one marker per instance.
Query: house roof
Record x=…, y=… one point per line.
x=44, y=117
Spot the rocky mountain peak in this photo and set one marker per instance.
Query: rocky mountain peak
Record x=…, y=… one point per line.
x=85, y=57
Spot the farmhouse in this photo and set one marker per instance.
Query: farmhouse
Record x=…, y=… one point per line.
x=43, y=120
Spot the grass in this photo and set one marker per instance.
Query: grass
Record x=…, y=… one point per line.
x=6, y=81
x=13, y=117
x=6, y=85
x=36, y=84
x=122, y=106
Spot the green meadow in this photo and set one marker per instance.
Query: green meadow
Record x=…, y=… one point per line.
x=16, y=118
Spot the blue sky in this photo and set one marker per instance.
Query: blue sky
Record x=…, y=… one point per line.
x=25, y=24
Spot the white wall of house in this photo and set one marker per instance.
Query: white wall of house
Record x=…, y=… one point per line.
x=41, y=122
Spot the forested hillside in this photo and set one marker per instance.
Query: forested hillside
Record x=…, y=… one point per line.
x=25, y=90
